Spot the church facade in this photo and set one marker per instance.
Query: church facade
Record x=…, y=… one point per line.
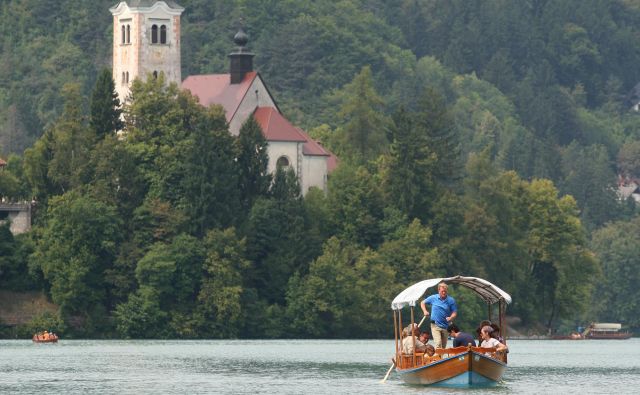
x=146, y=41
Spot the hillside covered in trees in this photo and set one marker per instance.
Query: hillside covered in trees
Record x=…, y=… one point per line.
x=483, y=138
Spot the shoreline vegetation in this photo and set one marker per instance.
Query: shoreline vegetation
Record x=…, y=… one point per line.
x=479, y=138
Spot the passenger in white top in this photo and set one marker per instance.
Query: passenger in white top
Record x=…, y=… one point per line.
x=488, y=341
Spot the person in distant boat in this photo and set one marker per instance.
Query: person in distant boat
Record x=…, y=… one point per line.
x=460, y=338
x=408, y=341
x=488, y=341
x=443, y=311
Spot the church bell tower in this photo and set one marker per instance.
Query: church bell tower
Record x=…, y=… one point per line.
x=146, y=41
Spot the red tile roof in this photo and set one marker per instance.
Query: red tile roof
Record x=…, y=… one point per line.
x=312, y=147
x=2, y=163
x=276, y=127
x=217, y=89
x=332, y=163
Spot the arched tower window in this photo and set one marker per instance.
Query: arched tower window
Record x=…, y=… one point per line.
x=163, y=34
x=124, y=35
x=154, y=34
x=128, y=34
x=127, y=77
x=123, y=78
x=155, y=74
x=282, y=161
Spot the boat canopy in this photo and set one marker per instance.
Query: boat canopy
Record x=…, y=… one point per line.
x=600, y=326
x=487, y=291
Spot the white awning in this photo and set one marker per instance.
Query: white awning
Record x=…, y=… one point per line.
x=483, y=288
x=600, y=326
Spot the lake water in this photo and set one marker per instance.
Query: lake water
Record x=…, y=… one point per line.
x=297, y=367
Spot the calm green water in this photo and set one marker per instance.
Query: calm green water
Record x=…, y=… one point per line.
x=296, y=367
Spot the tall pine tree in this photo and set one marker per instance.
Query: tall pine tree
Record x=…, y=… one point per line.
x=253, y=161
x=105, y=106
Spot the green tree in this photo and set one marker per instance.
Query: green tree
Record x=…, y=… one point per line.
x=629, y=159
x=208, y=186
x=141, y=317
x=173, y=270
x=277, y=241
x=324, y=303
x=436, y=124
x=253, y=161
x=617, y=246
x=362, y=109
x=590, y=179
x=411, y=255
x=105, y=111
x=356, y=203
x=72, y=143
x=36, y=167
x=77, y=245
x=408, y=170
x=183, y=152
x=14, y=253
x=346, y=290
x=562, y=267
x=219, y=299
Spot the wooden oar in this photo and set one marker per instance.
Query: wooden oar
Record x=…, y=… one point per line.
x=386, y=376
x=421, y=321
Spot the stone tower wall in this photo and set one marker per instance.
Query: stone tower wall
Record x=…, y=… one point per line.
x=138, y=57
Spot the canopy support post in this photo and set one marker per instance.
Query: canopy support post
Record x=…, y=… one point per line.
x=413, y=337
x=401, y=337
x=395, y=332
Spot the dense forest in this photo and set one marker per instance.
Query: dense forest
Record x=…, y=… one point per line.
x=476, y=137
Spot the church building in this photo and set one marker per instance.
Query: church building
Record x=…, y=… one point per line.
x=146, y=41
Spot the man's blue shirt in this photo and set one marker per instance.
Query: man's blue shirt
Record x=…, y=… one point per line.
x=441, y=309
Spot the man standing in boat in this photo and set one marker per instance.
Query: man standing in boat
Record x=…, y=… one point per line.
x=443, y=312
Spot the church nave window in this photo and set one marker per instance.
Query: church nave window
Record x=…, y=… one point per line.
x=283, y=161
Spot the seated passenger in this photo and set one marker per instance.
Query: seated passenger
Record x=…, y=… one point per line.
x=478, y=329
x=424, y=337
x=496, y=333
x=488, y=341
x=430, y=354
x=460, y=338
x=408, y=341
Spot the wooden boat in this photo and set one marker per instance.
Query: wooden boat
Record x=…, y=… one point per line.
x=571, y=336
x=450, y=367
x=601, y=331
x=45, y=337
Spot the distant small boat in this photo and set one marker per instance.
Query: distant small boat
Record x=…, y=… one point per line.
x=571, y=336
x=598, y=330
x=45, y=337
